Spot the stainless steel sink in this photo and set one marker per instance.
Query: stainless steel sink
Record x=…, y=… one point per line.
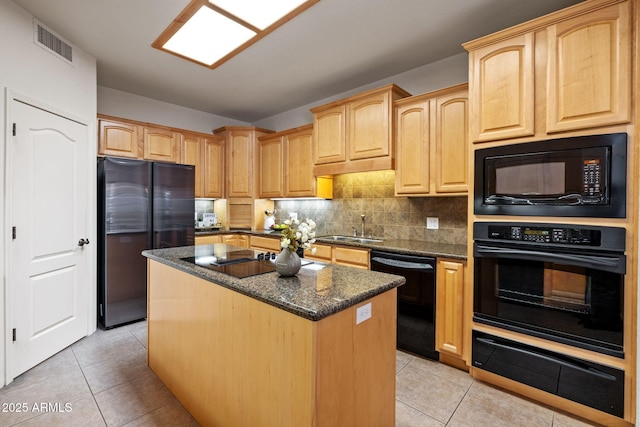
x=351, y=239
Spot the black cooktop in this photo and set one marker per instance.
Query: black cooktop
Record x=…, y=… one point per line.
x=238, y=263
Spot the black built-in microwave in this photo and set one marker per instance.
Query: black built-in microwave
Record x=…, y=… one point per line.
x=581, y=176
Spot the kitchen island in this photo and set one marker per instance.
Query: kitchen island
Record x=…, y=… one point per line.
x=316, y=349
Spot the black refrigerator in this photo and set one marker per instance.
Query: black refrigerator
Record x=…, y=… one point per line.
x=141, y=205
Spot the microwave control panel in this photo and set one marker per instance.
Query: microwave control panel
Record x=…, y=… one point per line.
x=547, y=235
x=591, y=178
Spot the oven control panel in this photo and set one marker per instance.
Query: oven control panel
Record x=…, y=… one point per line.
x=546, y=235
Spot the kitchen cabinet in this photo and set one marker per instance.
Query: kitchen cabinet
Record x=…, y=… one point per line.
x=566, y=71
x=432, y=143
x=240, y=240
x=118, y=138
x=286, y=166
x=271, y=244
x=271, y=169
x=242, y=163
x=161, y=144
x=355, y=134
x=341, y=255
x=449, y=307
x=208, y=239
x=206, y=153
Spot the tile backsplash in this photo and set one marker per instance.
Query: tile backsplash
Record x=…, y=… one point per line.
x=386, y=216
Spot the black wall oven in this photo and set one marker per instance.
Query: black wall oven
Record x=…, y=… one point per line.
x=559, y=282
x=555, y=281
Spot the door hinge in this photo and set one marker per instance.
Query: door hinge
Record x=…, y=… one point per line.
x=14, y=129
x=14, y=334
x=13, y=232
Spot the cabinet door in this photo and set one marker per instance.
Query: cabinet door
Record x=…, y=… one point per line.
x=449, y=306
x=270, y=154
x=191, y=154
x=451, y=143
x=589, y=82
x=369, y=127
x=502, y=89
x=299, y=179
x=213, y=167
x=240, y=173
x=329, y=135
x=161, y=144
x=412, y=148
x=118, y=139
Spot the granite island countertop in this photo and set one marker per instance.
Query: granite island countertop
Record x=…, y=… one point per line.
x=407, y=247
x=317, y=291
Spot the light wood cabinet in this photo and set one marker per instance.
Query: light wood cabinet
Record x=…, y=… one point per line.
x=449, y=306
x=432, y=143
x=208, y=239
x=241, y=159
x=589, y=62
x=566, y=71
x=206, y=153
x=271, y=170
x=286, y=166
x=341, y=255
x=240, y=240
x=161, y=144
x=265, y=243
x=329, y=134
x=119, y=139
x=213, y=160
x=355, y=134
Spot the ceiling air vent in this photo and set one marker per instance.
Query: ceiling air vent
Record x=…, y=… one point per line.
x=47, y=40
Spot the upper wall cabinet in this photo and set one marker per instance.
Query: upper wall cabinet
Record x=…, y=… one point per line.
x=566, y=71
x=241, y=159
x=118, y=138
x=431, y=141
x=206, y=153
x=286, y=166
x=355, y=134
x=161, y=144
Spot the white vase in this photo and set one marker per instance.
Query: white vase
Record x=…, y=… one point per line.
x=288, y=263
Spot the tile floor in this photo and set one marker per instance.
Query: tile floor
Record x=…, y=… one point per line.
x=103, y=380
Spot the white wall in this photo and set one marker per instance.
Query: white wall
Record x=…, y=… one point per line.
x=447, y=72
x=113, y=102
x=28, y=70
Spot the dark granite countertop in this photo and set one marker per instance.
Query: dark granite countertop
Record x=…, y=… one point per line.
x=317, y=291
x=409, y=247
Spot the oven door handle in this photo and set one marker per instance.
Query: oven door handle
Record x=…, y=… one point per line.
x=402, y=264
x=614, y=264
x=586, y=369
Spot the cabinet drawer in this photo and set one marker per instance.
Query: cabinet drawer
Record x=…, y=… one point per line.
x=267, y=243
x=351, y=257
x=323, y=253
x=207, y=240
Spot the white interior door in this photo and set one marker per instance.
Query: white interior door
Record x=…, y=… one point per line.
x=48, y=277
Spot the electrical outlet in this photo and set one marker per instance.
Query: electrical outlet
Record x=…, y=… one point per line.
x=293, y=215
x=363, y=313
x=432, y=223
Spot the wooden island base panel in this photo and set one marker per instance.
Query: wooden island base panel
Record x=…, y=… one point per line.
x=234, y=360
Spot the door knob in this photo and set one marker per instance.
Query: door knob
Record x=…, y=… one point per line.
x=83, y=242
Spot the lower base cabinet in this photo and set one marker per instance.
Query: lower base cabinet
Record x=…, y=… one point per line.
x=450, y=307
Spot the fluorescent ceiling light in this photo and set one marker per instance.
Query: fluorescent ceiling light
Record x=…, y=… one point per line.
x=211, y=32
x=208, y=36
x=259, y=13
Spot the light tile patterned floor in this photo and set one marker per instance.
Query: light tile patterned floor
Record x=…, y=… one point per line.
x=103, y=380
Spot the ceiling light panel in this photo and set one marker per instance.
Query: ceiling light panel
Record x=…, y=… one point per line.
x=208, y=36
x=259, y=13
